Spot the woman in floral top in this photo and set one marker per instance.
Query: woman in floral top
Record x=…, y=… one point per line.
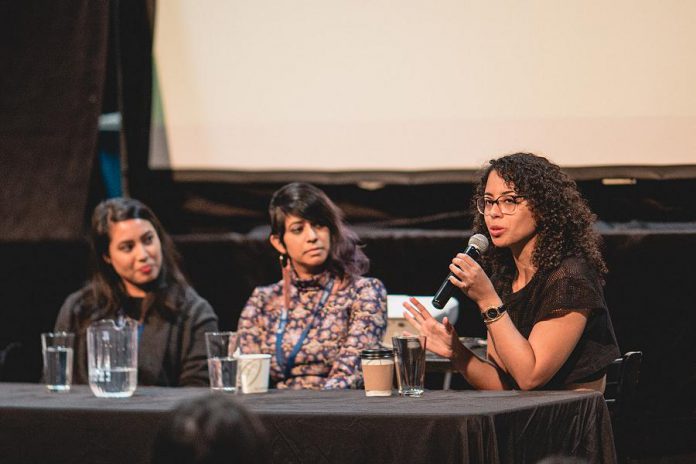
x=318, y=318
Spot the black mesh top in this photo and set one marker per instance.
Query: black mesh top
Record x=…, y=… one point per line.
x=572, y=286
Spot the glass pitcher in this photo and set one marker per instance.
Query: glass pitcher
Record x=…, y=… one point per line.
x=112, y=354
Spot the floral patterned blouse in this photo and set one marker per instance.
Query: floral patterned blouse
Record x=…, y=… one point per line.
x=353, y=318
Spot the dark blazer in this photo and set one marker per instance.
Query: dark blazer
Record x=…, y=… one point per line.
x=172, y=346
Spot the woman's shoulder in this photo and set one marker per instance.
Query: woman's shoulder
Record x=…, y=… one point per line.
x=260, y=299
x=368, y=289
x=76, y=301
x=574, y=263
x=572, y=284
x=265, y=293
x=190, y=295
x=275, y=288
x=575, y=268
x=76, y=307
x=191, y=299
x=366, y=282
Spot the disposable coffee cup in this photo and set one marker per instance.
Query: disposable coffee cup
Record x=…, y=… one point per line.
x=253, y=371
x=57, y=350
x=378, y=371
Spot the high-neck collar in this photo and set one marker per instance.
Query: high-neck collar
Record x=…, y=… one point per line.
x=132, y=306
x=312, y=283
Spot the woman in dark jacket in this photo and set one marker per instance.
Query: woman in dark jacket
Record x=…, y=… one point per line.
x=135, y=273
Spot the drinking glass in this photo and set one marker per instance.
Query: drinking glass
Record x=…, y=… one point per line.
x=57, y=350
x=222, y=363
x=410, y=359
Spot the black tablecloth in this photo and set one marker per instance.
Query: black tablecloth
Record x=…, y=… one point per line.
x=37, y=426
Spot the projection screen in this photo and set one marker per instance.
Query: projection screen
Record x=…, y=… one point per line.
x=263, y=89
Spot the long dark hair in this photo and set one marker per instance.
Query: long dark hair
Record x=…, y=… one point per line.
x=564, y=221
x=310, y=203
x=107, y=294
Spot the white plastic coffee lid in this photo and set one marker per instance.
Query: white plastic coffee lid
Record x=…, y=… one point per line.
x=395, y=307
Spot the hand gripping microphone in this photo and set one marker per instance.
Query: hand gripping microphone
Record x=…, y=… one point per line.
x=478, y=244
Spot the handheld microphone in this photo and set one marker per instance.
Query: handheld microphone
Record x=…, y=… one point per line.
x=478, y=244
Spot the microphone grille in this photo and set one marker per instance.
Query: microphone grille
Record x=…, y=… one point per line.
x=480, y=242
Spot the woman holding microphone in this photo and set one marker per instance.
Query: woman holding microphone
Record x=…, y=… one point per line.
x=543, y=304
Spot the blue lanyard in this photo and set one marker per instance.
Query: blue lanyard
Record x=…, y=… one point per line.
x=288, y=364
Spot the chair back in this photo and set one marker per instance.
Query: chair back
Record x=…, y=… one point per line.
x=5, y=358
x=622, y=383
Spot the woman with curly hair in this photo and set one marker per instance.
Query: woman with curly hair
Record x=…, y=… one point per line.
x=544, y=309
x=318, y=318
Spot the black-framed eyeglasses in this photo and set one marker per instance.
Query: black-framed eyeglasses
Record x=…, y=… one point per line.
x=506, y=203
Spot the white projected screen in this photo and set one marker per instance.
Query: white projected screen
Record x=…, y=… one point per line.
x=331, y=85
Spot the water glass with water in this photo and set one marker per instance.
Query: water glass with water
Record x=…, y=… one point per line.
x=410, y=360
x=222, y=363
x=112, y=355
x=57, y=349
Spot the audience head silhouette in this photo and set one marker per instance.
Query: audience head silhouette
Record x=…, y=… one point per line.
x=210, y=430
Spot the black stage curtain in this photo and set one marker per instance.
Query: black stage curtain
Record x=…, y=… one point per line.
x=53, y=66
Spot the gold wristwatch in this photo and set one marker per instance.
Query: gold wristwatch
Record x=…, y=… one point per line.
x=493, y=313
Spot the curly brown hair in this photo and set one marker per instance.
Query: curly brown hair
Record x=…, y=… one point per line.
x=564, y=221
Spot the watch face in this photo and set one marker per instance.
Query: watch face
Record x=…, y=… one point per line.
x=491, y=313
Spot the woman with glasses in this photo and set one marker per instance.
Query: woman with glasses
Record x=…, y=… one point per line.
x=543, y=304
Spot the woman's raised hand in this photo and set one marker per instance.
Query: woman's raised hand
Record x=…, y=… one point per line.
x=441, y=338
x=471, y=279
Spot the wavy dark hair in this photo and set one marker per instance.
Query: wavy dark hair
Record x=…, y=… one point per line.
x=564, y=221
x=308, y=202
x=107, y=295
x=213, y=429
